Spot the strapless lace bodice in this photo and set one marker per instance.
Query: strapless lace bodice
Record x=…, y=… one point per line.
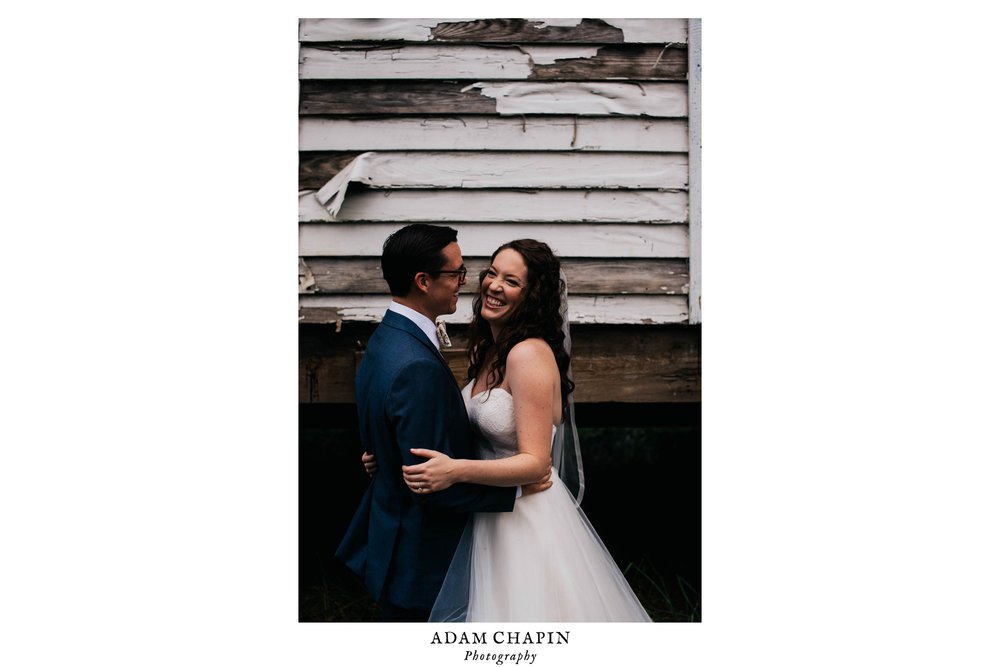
x=492, y=416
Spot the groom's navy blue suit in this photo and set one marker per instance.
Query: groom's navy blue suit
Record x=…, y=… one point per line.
x=399, y=542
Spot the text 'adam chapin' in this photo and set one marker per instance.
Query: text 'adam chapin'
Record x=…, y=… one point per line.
x=501, y=637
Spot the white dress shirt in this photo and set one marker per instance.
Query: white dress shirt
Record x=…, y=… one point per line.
x=419, y=319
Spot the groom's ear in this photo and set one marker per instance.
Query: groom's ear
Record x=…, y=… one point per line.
x=421, y=282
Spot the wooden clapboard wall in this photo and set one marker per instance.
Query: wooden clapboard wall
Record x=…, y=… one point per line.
x=574, y=132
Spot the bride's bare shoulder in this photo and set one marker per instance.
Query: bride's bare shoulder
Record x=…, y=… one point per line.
x=529, y=352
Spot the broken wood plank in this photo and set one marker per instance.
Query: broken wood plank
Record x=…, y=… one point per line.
x=486, y=31
x=583, y=309
x=591, y=98
x=522, y=62
x=483, y=133
x=447, y=206
x=367, y=98
x=363, y=275
x=479, y=169
x=598, y=241
x=636, y=63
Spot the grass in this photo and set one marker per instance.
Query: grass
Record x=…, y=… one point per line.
x=330, y=601
x=667, y=600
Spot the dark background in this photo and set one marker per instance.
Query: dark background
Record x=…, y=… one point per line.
x=642, y=465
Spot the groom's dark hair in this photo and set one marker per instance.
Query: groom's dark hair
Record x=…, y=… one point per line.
x=413, y=249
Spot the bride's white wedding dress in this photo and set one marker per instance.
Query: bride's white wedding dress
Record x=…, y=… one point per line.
x=541, y=562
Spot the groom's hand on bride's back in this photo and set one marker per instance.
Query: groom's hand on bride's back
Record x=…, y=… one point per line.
x=541, y=485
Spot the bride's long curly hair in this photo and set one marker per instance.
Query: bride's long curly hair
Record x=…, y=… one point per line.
x=536, y=316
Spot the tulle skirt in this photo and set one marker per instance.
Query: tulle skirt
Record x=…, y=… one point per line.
x=543, y=562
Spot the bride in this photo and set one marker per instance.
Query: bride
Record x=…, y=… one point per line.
x=543, y=561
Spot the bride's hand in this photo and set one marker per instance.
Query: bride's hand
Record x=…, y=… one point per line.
x=437, y=473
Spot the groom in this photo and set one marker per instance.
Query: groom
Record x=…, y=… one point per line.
x=401, y=542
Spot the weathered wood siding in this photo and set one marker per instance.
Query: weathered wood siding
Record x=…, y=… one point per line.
x=572, y=131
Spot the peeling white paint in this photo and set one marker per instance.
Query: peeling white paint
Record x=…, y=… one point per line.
x=566, y=23
x=453, y=205
x=346, y=30
x=551, y=133
x=418, y=61
x=613, y=241
x=311, y=209
x=331, y=196
x=549, y=55
x=307, y=281
x=583, y=309
x=325, y=30
x=653, y=31
x=586, y=97
x=507, y=169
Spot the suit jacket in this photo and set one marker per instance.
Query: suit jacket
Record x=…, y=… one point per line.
x=399, y=542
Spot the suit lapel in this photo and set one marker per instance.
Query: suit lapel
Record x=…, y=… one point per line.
x=400, y=323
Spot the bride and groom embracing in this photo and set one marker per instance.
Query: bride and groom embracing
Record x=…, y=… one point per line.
x=527, y=552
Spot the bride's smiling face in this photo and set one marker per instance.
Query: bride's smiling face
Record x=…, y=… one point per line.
x=503, y=286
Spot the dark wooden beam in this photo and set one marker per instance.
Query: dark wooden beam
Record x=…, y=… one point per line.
x=623, y=364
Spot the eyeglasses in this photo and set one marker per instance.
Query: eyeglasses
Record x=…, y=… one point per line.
x=460, y=272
